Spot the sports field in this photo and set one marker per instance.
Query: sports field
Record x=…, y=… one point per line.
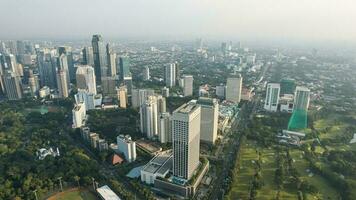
x=74, y=194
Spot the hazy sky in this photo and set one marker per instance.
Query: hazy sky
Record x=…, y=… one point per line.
x=262, y=19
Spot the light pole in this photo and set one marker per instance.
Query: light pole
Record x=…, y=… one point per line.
x=35, y=192
x=93, y=183
x=60, y=183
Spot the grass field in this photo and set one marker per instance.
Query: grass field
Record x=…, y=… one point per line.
x=240, y=188
x=326, y=191
x=74, y=194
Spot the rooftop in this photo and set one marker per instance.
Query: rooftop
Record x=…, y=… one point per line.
x=188, y=107
x=107, y=194
x=161, y=163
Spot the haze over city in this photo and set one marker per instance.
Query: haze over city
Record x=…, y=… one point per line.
x=177, y=100
x=316, y=20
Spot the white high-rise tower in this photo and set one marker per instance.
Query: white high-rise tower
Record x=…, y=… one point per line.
x=272, y=97
x=186, y=139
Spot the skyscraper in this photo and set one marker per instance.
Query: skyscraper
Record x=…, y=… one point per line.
x=188, y=85
x=233, y=89
x=164, y=134
x=67, y=51
x=122, y=96
x=186, y=139
x=88, y=56
x=100, y=59
x=301, y=98
x=108, y=86
x=62, y=84
x=111, y=56
x=33, y=83
x=13, y=87
x=149, y=117
x=209, y=119
x=85, y=78
x=62, y=62
x=47, y=69
x=146, y=74
x=170, y=75
x=139, y=96
x=272, y=97
x=124, y=67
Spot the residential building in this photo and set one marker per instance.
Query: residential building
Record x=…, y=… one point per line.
x=165, y=134
x=85, y=78
x=188, y=85
x=209, y=119
x=170, y=75
x=233, y=89
x=301, y=98
x=122, y=96
x=62, y=84
x=146, y=74
x=149, y=117
x=79, y=115
x=127, y=146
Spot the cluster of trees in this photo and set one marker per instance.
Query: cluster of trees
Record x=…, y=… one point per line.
x=21, y=172
x=343, y=162
x=257, y=181
x=112, y=122
x=286, y=175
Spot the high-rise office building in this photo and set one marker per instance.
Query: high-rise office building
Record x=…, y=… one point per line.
x=188, y=85
x=301, y=98
x=62, y=62
x=170, y=75
x=122, y=96
x=79, y=115
x=20, y=47
x=272, y=97
x=100, y=59
x=33, y=83
x=233, y=89
x=47, y=69
x=62, y=84
x=164, y=133
x=67, y=51
x=85, y=78
x=146, y=74
x=111, y=56
x=88, y=56
x=186, y=139
x=108, y=86
x=209, y=119
x=220, y=91
x=124, y=66
x=127, y=146
x=13, y=87
x=128, y=83
x=149, y=117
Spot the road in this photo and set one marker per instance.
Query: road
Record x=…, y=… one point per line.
x=232, y=147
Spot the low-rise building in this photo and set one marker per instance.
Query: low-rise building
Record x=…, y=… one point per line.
x=159, y=166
